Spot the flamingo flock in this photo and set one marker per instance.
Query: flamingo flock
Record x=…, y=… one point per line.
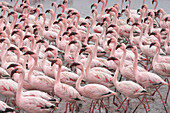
x=68, y=58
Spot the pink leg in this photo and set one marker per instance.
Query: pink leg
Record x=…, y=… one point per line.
x=66, y=108
x=94, y=104
x=141, y=101
x=166, y=79
x=162, y=100
x=104, y=105
x=121, y=104
x=91, y=105
x=127, y=104
x=147, y=103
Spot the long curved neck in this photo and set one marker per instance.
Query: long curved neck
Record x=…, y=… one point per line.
x=14, y=21
x=78, y=17
x=167, y=40
x=3, y=58
x=67, y=51
x=76, y=58
x=87, y=35
x=160, y=20
x=58, y=36
x=88, y=62
x=105, y=4
x=51, y=21
x=101, y=12
x=95, y=48
x=155, y=5
x=113, y=50
x=78, y=86
x=140, y=39
x=123, y=59
x=129, y=5
x=131, y=33
x=155, y=58
x=32, y=69
x=38, y=13
x=43, y=26
x=143, y=2
x=135, y=63
x=146, y=11
x=57, y=76
x=140, y=18
x=44, y=61
x=116, y=75
x=15, y=5
x=55, y=12
x=20, y=87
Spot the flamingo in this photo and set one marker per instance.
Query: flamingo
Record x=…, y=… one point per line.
x=147, y=79
x=93, y=91
x=128, y=88
x=62, y=90
x=43, y=83
x=29, y=103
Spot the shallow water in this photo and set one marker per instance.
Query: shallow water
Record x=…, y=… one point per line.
x=83, y=6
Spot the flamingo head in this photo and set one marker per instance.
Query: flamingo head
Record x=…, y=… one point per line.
x=13, y=49
x=78, y=65
x=152, y=44
x=116, y=60
x=14, y=32
x=164, y=30
x=30, y=37
x=24, y=49
x=86, y=49
x=13, y=65
x=11, y=13
x=72, y=42
x=65, y=33
x=49, y=49
x=40, y=41
x=17, y=70
x=93, y=5
x=32, y=54
x=47, y=11
x=72, y=34
x=87, y=17
x=133, y=48
x=57, y=61
x=53, y=4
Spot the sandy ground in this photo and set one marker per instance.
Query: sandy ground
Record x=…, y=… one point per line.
x=155, y=103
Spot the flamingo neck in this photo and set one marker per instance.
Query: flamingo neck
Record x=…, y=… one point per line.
x=76, y=24
x=15, y=5
x=101, y=12
x=146, y=31
x=113, y=50
x=43, y=26
x=143, y=2
x=129, y=5
x=20, y=87
x=140, y=38
x=115, y=81
x=55, y=12
x=14, y=21
x=38, y=13
x=155, y=58
x=58, y=36
x=131, y=33
x=160, y=20
x=78, y=82
x=89, y=60
x=105, y=4
x=167, y=40
x=51, y=21
x=155, y=5
x=122, y=4
x=57, y=76
x=76, y=58
x=135, y=63
x=123, y=59
x=3, y=58
x=87, y=35
x=32, y=69
x=140, y=18
x=67, y=51
x=95, y=48
x=146, y=11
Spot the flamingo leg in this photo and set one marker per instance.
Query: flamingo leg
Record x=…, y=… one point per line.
x=147, y=103
x=166, y=79
x=66, y=108
x=91, y=105
x=104, y=106
x=162, y=100
x=121, y=104
x=127, y=104
x=94, y=104
x=141, y=101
